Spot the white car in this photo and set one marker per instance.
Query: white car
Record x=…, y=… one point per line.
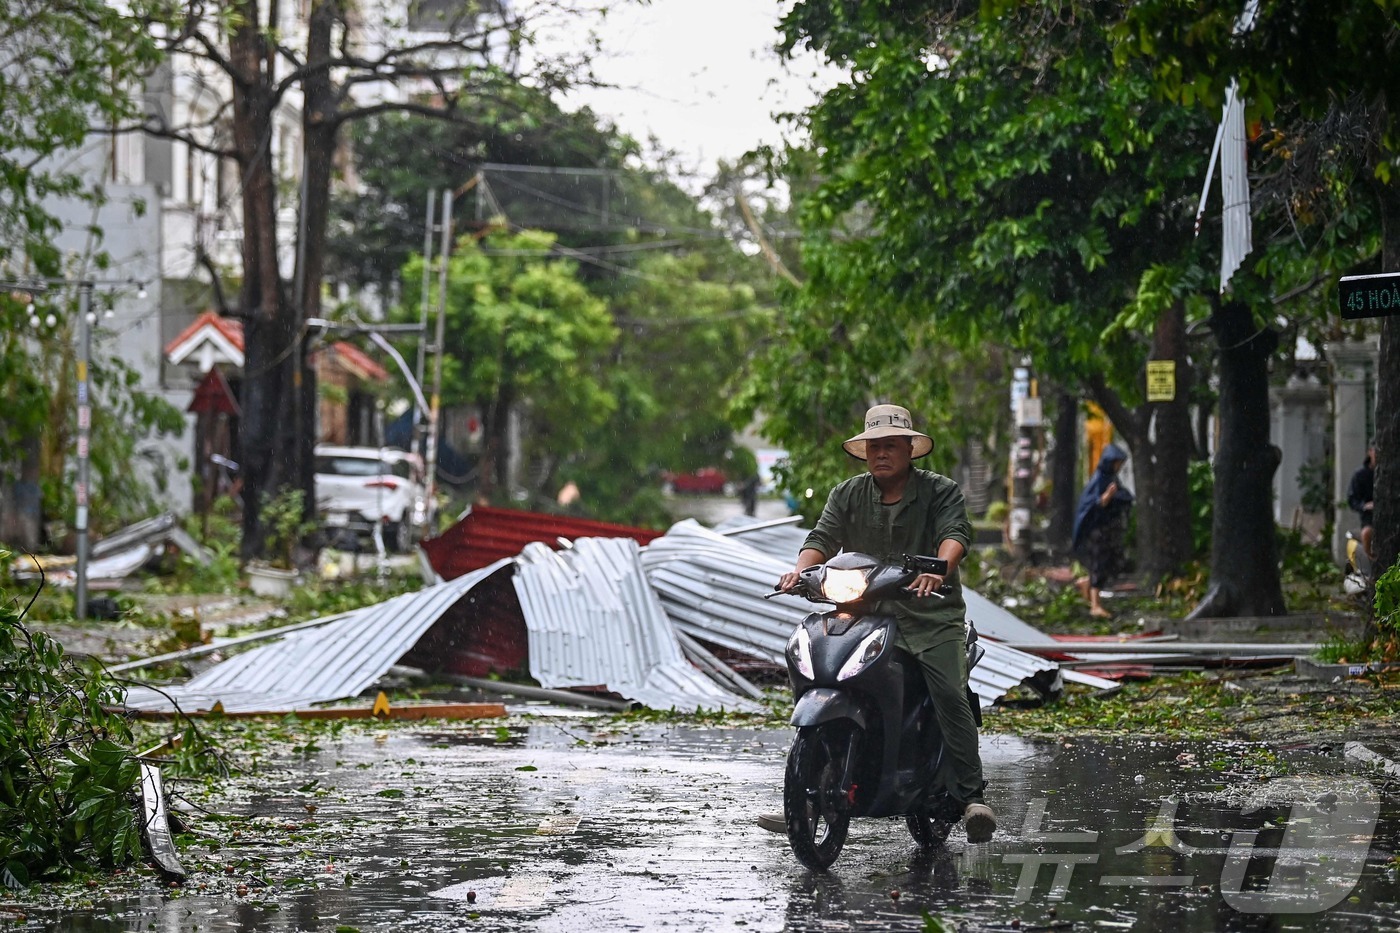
x=359, y=487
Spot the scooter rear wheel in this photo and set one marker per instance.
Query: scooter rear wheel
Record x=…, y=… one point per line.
x=813, y=799
x=929, y=832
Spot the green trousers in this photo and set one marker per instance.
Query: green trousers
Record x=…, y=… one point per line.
x=945, y=672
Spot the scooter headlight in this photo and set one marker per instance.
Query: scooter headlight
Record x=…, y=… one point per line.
x=844, y=586
x=799, y=649
x=868, y=650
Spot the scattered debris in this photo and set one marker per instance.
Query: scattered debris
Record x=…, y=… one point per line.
x=116, y=556
x=1359, y=752
x=526, y=692
x=408, y=711
x=594, y=620
x=155, y=823
x=316, y=662
x=602, y=614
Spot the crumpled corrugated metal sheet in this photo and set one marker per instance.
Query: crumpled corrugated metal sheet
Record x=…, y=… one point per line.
x=152, y=531
x=783, y=539
x=123, y=552
x=780, y=537
x=332, y=662
x=712, y=585
x=595, y=621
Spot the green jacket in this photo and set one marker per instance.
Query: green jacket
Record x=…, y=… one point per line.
x=931, y=511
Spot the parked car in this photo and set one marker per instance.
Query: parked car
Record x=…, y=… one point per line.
x=359, y=487
x=705, y=481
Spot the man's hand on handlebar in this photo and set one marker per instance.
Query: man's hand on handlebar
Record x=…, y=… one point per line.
x=926, y=584
x=787, y=581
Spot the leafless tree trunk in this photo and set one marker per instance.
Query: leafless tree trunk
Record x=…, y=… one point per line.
x=269, y=327
x=244, y=39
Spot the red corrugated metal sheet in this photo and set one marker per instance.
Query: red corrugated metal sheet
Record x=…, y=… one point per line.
x=486, y=534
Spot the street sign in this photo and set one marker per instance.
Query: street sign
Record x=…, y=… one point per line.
x=1365, y=296
x=1161, y=380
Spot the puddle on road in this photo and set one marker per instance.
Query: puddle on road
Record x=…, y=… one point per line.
x=579, y=823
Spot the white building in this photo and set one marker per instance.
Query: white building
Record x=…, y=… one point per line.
x=172, y=216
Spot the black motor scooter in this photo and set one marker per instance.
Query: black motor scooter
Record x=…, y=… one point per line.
x=868, y=742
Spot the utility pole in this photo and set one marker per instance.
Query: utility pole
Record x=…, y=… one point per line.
x=428, y=229
x=84, y=436
x=1026, y=408
x=435, y=409
x=83, y=491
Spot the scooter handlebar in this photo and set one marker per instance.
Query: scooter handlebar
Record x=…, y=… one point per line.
x=921, y=564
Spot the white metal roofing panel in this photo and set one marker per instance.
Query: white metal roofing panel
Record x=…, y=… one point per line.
x=781, y=538
x=594, y=620
x=712, y=585
x=1236, y=235
x=317, y=665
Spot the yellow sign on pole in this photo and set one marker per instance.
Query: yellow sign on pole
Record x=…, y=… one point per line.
x=1161, y=380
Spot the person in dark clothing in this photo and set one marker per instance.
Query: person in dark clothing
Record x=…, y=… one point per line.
x=1361, y=494
x=748, y=495
x=1099, y=524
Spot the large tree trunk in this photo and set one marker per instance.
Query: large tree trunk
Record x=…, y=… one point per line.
x=1244, y=574
x=269, y=331
x=1064, y=475
x=320, y=127
x=1159, y=436
x=1386, y=542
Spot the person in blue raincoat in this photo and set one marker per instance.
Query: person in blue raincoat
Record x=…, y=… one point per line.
x=1100, y=523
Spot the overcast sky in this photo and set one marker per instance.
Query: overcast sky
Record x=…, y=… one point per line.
x=699, y=75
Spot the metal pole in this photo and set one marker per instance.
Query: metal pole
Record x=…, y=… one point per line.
x=84, y=429
x=423, y=306
x=436, y=401
x=304, y=479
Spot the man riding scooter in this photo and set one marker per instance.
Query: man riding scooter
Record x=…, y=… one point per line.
x=891, y=510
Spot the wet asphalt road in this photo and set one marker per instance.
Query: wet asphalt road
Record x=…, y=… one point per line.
x=573, y=822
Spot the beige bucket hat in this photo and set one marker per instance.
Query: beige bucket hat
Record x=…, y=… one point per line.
x=888, y=421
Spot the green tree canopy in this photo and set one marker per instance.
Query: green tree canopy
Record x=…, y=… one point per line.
x=521, y=330
x=990, y=183
x=1331, y=63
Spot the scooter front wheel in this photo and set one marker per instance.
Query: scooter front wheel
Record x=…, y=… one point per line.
x=813, y=796
x=929, y=831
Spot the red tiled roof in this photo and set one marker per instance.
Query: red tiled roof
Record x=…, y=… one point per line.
x=358, y=362
x=355, y=359
x=230, y=328
x=487, y=534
